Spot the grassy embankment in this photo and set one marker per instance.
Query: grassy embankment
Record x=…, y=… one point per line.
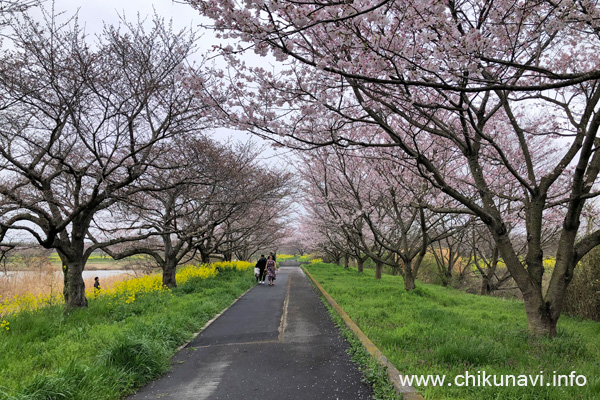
x=52, y=262
x=101, y=262
x=436, y=330
x=122, y=340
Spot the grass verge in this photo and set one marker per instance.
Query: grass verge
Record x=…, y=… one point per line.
x=114, y=346
x=373, y=373
x=441, y=331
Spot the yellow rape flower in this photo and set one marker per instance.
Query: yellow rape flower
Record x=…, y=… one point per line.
x=124, y=291
x=188, y=272
x=4, y=325
x=237, y=265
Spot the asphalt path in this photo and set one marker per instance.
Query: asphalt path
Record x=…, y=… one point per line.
x=276, y=342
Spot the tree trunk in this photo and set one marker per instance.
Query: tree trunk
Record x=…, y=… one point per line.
x=346, y=262
x=227, y=256
x=360, y=264
x=561, y=277
x=485, y=285
x=378, y=268
x=539, y=317
x=169, y=274
x=396, y=268
x=74, y=287
x=447, y=277
x=205, y=257
x=409, y=279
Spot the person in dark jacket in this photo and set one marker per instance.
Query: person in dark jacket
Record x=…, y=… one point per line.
x=261, y=264
x=97, y=283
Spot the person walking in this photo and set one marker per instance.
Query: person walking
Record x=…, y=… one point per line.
x=271, y=270
x=261, y=264
x=97, y=283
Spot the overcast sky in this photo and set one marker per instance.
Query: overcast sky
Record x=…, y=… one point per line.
x=94, y=13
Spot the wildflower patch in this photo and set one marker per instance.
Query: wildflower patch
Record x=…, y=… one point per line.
x=124, y=292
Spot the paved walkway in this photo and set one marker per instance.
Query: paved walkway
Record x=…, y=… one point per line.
x=276, y=342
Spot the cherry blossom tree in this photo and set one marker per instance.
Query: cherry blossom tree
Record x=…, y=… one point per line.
x=261, y=221
x=485, y=257
x=452, y=253
x=190, y=180
x=309, y=231
x=202, y=191
x=409, y=224
x=380, y=207
x=296, y=241
x=480, y=96
x=262, y=226
x=334, y=226
x=11, y=7
x=79, y=126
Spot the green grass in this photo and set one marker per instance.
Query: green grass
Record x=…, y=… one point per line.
x=373, y=373
x=98, y=258
x=95, y=257
x=108, y=349
x=436, y=330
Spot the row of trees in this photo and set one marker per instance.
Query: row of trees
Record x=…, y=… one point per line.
x=357, y=209
x=103, y=146
x=495, y=105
